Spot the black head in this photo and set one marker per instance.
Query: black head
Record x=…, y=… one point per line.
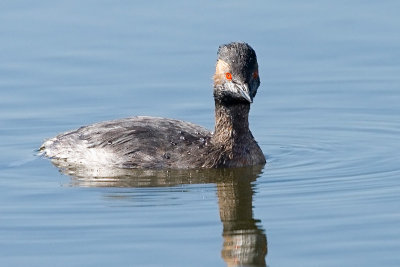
x=236, y=76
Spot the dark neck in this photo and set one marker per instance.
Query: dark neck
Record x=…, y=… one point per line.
x=231, y=122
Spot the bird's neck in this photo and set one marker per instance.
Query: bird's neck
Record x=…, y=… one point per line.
x=231, y=122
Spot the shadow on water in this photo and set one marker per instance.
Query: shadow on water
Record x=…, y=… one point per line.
x=244, y=239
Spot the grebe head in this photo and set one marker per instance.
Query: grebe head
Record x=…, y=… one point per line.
x=236, y=77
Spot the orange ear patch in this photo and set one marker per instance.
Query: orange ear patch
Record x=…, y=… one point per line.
x=228, y=76
x=220, y=71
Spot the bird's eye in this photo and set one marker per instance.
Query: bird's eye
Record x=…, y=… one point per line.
x=228, y=76
x=255, y=74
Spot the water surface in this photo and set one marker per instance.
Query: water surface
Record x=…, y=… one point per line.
x=326, y=116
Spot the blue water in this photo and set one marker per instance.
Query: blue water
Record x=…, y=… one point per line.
x=327, y=116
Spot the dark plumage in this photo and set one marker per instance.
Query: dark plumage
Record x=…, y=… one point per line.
x=158, y=143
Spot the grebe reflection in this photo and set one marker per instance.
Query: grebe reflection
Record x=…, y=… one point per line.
x=244, y=240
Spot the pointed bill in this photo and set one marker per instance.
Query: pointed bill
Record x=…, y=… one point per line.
x=244, y=91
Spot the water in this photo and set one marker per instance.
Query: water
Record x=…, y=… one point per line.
x=326, y=116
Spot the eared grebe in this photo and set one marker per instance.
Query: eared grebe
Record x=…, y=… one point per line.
x=158, y=143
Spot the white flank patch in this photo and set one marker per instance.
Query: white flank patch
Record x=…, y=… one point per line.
x=96, y=156
x=79, y=153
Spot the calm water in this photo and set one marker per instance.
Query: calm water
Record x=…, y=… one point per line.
x=327, y=116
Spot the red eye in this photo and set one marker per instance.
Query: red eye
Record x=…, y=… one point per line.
x=228, y=76
x=255, y=74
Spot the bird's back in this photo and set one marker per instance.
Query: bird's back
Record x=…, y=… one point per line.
x=137, y=142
